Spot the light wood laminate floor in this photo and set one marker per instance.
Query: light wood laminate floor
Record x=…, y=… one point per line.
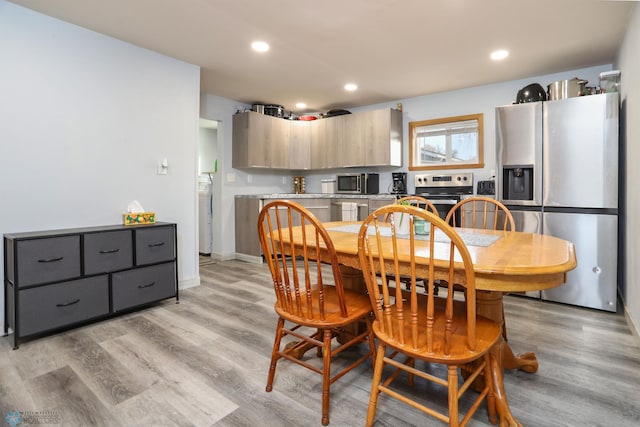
x=204, y=362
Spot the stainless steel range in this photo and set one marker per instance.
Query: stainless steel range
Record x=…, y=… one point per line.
x=444, y=190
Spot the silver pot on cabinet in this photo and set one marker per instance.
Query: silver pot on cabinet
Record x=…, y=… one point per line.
x=563, y=89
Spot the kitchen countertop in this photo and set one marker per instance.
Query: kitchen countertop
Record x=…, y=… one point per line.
x=315, y=196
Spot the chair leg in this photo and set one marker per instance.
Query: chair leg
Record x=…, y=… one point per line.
x=274, y=354
x=326, y=374
x=372, y=341
x=411, y=379
x=452, y=386
x=375, y=383
x=491, y=399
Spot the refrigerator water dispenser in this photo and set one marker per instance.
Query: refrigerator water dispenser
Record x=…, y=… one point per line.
x=518, y=182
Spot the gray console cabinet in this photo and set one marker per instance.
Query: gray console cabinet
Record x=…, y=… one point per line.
x=63, y=278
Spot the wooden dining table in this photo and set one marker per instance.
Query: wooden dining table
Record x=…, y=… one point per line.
x=512, y=262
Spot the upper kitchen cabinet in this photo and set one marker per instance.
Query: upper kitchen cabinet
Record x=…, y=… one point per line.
x=382, y=136
x=370, y=138
x=319, y=152
x=299, y=144
x=260, y=141
x=352, y=146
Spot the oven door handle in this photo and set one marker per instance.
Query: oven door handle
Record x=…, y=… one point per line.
x=443, y=201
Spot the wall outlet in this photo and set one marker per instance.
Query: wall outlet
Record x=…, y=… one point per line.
x=231, y=177
x=284, y=179
x=249, y=179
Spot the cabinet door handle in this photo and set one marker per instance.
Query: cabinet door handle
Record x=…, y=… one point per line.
x=77, y=300
x=110, y=251
x=51, y=259
x=146, y=286
x=152, y=245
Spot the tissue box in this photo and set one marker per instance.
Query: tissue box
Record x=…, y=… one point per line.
x=139, y=218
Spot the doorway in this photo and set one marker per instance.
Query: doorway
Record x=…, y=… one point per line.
x=207, y=168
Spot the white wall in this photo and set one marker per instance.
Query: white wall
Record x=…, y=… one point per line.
x=629, y=63
x=84, y=120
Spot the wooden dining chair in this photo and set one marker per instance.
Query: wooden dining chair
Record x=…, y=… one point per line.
x=311, y=302
x=421, y=203
x=481, y=212
x=484, y=213
x=417, y=201
x=426, y=328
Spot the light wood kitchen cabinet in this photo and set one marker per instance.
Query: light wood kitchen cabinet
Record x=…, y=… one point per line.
x=334, y=140
x=247, y=210
x=320, y=207
x=319, y=151
x=378, y=203
x=326, y=143
x=299, y=144
x=260, y=141
x=250, y=148
x=382, y=137
x=369, y=138
x=278, y=142
x=246, y=221
x=352, y=145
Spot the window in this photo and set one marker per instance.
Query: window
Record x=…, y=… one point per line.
x=447, y=143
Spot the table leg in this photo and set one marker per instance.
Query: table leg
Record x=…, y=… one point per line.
x=502, y=406
x=353, y=280
x=490, y=305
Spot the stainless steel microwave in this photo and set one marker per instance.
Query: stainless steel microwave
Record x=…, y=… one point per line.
x=358, y=183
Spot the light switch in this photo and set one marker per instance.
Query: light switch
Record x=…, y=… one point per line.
x=163, y=166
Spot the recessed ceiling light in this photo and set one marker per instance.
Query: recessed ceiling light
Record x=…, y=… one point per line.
x=499, y=54
x=260, y=46
x=350, y=87
x=301, y=105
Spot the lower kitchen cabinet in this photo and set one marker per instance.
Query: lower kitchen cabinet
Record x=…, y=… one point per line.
x=63, y=278
x=247, y=210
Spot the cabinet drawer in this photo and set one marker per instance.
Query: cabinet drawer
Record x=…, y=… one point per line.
x=143, y=285
x=154, y=244
x=52, y=306
x=107, y=251
x=48, y=260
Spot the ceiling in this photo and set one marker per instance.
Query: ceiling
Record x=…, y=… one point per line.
x=392, y=49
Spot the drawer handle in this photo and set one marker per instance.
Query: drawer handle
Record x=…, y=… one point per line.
x=69, y=303
x=110, y=251
x=152, y=245
x=51, y=259
x=146, y=286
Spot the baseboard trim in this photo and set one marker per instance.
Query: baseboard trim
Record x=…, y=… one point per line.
x=631, y=324
x=248, y=258
x=189, y=283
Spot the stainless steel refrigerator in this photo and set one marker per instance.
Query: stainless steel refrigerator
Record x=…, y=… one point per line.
x=558, y=174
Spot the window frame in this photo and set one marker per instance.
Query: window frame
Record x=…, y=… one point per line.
x=416, y=165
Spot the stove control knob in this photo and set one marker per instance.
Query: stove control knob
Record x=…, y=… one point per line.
x=465, y=178
x=459, y=178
